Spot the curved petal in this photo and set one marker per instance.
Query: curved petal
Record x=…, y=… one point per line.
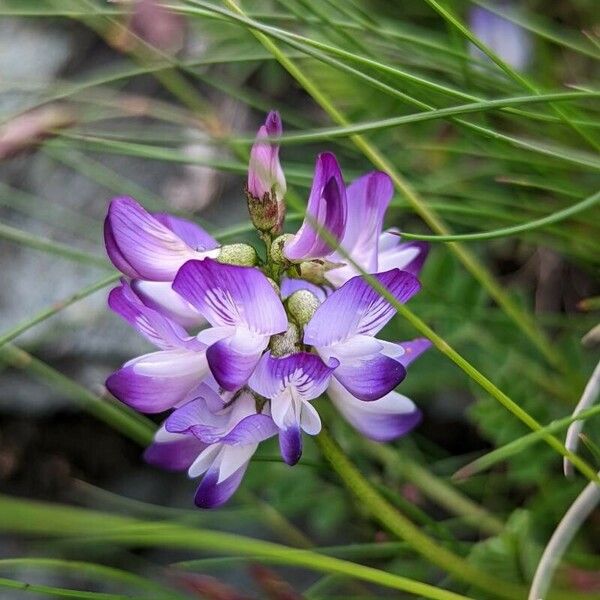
x=383, y=420
x=173, y=452
x=158, y=381
x=304, y=372
x=193, y=235
x=413, y=349
x=232, y=360
x=212, y=493
x=152, y=250
x=160, y=296
x=251, y=430
x=357, y=308
x=395, y=254
x=290, y=444
x=327, y=209
x=155, y=327
x=114, y=254
x=231, y=295
x=368, y=199
x=364, y=370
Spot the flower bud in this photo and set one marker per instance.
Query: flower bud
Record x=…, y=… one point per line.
x=286, y=343
x=302, y=305
x=277, y=255
x=238, y=254
x=266, y=182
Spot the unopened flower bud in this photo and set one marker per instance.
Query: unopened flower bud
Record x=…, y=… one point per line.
x=238, y=254
x=286, y=343
x=277, y=255
x=266, y=182
x=302, y=305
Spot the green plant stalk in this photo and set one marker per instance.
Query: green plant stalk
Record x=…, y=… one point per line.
x=507, y=231
x=402, y=527
x=13, y=234
x=27, y=516
x=512, y=73
x=100, y=572
x=134, y=426
x=17, y=330
x=435, y=488
x=56, y=592
x=469, y=260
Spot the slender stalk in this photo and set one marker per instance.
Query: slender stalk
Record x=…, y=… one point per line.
x=587, y=398
x=27, y=516
x=436, y=488
x=507, y=231
x=22, y=327
x=399, y=525
x=117, y=416
x=561, y=538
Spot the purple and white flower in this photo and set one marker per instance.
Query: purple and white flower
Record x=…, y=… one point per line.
x=229, y=430
x=327, y=210
x=388, y=417
x=344, y=326
x=290, y=383
x=150, y=249
x=271, y=348
x=160, y=380
x=243, y=309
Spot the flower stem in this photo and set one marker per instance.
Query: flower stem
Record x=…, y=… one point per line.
x=399, y=525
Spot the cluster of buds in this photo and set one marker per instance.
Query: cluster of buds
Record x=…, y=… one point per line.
x=246, y=343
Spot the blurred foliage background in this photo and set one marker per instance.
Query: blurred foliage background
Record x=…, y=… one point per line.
x=160, y=100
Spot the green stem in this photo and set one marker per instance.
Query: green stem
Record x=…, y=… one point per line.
x=435, y=488
x=27, y=516
x=506, y=231
x=117, y=416
x=399, y=525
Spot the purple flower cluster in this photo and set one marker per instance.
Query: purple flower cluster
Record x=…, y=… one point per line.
x=244, y=344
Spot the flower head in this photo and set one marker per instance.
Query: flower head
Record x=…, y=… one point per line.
x=272, y=340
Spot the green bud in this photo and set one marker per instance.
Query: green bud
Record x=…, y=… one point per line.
x=277, y=255
x=286, y=343
x=238, y=254
x=302, y=305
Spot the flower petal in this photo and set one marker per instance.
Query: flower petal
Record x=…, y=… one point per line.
x=155, y=327
x=396, y=254
x=306, y=373
x=160, y=296
x=233, y=359
x=383, y=420
x=357, y=308
x=231, y=295
x=290, y=444
x=413, y=349
x=212, y=493
x=364, y=370
x=368, y=199
x=327, y=209
x=173, y=453
x=251, y=430
x=264, y=170
x=134, y=237
x=193, y=235
x=158, y=381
